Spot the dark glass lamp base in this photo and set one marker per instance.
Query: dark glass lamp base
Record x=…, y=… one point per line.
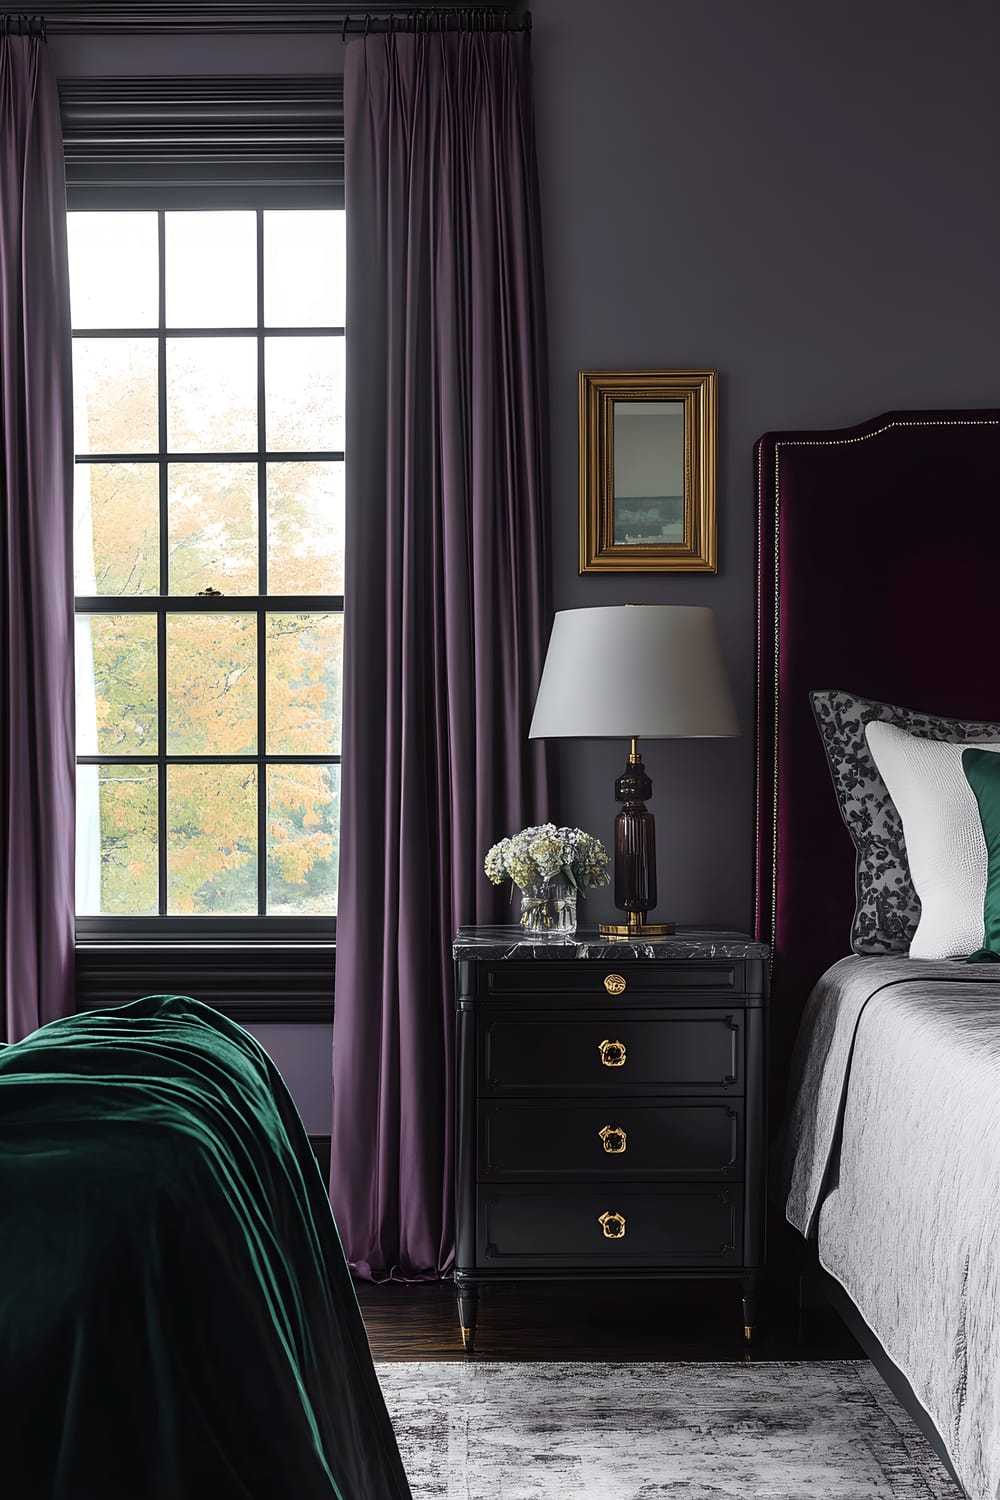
x=635, y=857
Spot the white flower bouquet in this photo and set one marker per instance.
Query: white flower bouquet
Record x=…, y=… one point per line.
x=536, y=855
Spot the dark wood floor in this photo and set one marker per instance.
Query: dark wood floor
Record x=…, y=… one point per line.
x=625, y=1321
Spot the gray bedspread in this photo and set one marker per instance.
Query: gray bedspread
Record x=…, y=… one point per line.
x=892, y=1161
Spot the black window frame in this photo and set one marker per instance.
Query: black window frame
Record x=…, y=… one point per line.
x=201, y=143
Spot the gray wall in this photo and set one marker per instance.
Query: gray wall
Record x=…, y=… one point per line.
x=803, y=195
x=302, y=1052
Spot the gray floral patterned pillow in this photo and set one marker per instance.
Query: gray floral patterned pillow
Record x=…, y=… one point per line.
x=887, y=908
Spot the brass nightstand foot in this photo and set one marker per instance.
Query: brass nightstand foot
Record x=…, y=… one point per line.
x=468, y=1302
x=751, y=1285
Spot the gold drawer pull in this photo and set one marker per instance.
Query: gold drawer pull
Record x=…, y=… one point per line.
x=612, y=1054
x=613, y=1226
x=613, y=1139
x=614, y=984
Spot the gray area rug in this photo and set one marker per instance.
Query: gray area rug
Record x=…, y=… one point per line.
x=483, y=1431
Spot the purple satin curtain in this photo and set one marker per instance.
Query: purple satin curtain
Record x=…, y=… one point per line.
x=36, y=583
x=445, y=595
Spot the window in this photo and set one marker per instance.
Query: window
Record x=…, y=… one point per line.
x=209, y=557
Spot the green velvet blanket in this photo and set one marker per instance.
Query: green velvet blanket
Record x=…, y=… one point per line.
x=177, y=1320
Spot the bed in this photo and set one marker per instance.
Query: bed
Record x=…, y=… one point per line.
x=176, y=1315
x=877, y=576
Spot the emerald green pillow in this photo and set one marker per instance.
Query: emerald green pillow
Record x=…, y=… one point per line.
x=982, y=772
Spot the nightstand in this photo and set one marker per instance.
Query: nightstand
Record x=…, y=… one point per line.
x=610, y=1110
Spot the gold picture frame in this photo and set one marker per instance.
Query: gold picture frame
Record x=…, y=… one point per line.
x=650, y=508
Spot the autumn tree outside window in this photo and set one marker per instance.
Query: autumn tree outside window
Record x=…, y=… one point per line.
x=209, y=387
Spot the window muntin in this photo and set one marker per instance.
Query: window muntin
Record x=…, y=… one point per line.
x=209, y=540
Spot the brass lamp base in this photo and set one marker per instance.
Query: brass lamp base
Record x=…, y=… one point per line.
x=636, y=929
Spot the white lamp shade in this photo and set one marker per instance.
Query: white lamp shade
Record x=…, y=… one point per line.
x=650, y=670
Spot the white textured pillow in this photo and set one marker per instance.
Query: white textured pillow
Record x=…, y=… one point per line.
x=945, y=847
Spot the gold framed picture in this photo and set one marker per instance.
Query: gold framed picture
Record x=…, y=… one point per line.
x=647, y=471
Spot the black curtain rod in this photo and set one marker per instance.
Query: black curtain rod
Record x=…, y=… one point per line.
x=362, y=25
x=436, y=20
x=24, y=26
x=198, y=17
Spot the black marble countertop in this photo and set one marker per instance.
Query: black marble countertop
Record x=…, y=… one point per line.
x=686, y=942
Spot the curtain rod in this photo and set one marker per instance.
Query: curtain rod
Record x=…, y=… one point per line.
x=197, y=17
x=419, y=21
x=24, y=26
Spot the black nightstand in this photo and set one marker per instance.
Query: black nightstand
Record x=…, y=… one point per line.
x=611, y=1110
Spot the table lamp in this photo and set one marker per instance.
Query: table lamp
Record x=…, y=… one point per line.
x=632, y=671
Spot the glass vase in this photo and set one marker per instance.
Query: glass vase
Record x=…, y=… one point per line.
x=548, y=909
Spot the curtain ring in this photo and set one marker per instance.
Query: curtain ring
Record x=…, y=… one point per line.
x=368, y=21
x=343, y=30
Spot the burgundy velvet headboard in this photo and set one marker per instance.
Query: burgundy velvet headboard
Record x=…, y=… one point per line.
x=879, y=573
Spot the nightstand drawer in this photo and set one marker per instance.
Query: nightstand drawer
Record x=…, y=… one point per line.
x=685, y=1225
x=679, y=1139
x=691, y=1052
x=624, y=981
